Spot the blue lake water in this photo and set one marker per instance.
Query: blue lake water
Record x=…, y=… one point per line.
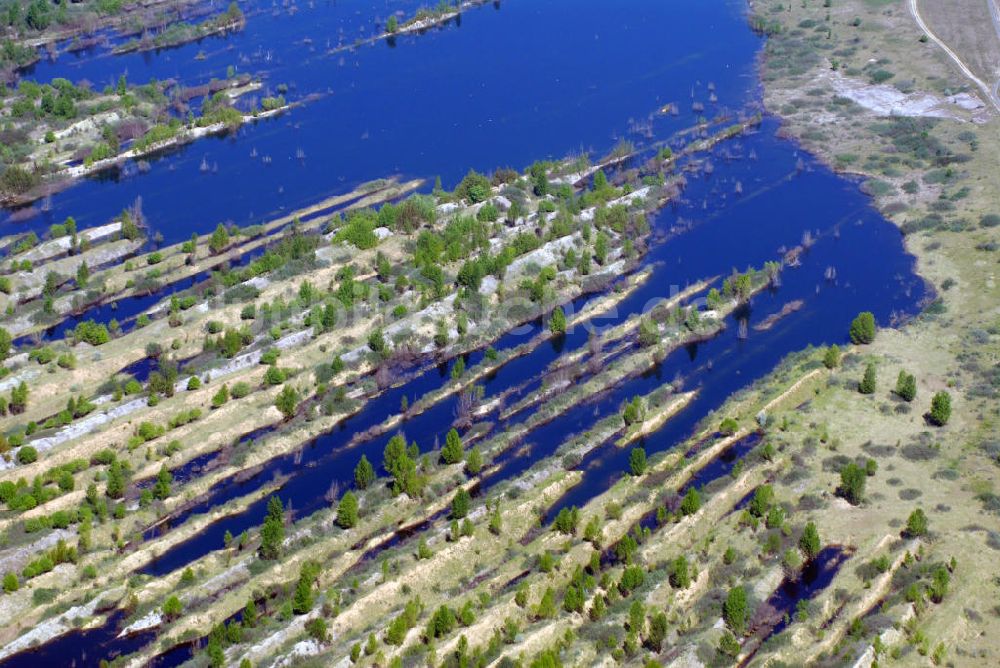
x=507, y=86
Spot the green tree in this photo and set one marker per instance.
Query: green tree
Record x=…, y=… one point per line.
x=809, y=542
x=6, y=344
x=868, y=381
x=906, y=386
x=460, y=504
x=250, y=614
x=601, y=248
x=347, y=511
x=172, y=608
x=691, y=502
x=220, y=398
x=452, y=452
x=272, y=533
x=852, y=483
x=287, y=401
x=632, y=412
x=863, y=328
x=219, y=239
x=19, y=398
x=316, y=628
x=10, y=582
x=397, y=462
x=940, y=408
x=474, y=187
x=115, y=488
x=680, y=576
x=302, y=601
x=473, y=461
x=547, y=605
x=82, y=275
x=364, y=473
x=376, y=342
x=735, y=610
x=831, y=358
x=637, y=461
x=567, y=520
x=161, y=489
x=657, y=633
x=761, y=502
x=916, y=524
x=557, y=323
x=729, y=646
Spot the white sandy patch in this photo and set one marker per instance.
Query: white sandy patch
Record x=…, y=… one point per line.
x=886, y=100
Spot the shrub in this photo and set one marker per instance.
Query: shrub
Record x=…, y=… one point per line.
x=729, y=426
x=27, y=455
x=240, y=390
x=93, y=333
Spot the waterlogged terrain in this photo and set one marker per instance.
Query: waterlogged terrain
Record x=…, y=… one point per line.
x=492, y=344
